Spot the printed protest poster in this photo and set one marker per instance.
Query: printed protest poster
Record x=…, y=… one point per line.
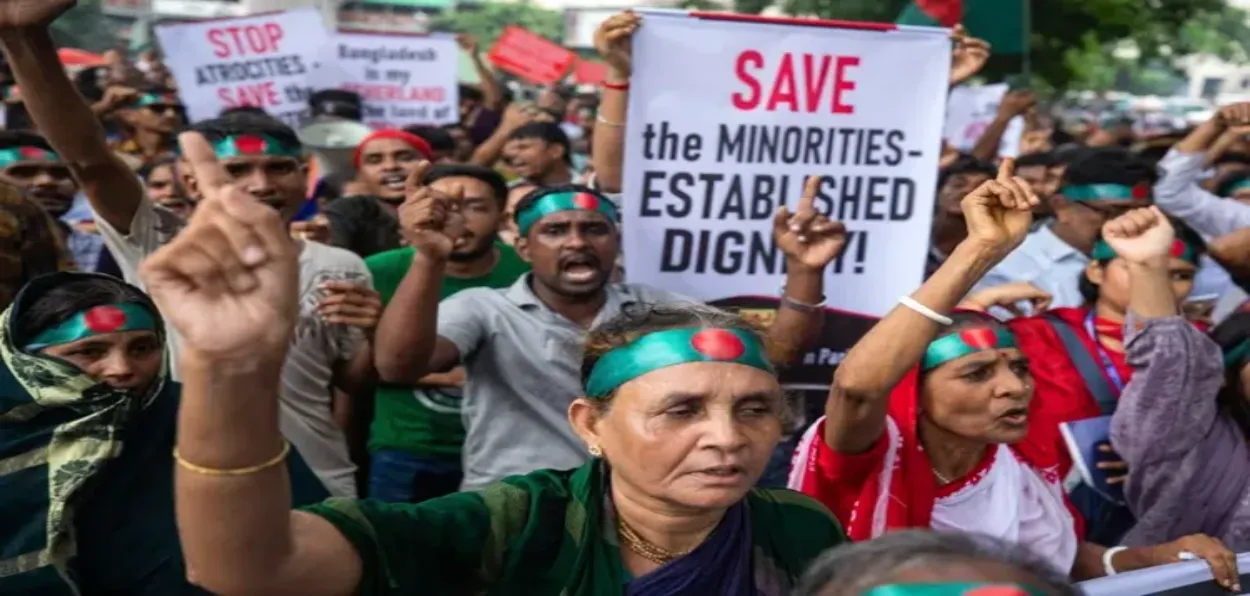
x=404, y=79
x=727, y=117
x=530, y=56
x=970, y=110
x=261, y=61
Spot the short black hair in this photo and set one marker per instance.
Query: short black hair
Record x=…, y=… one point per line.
x=146, y=170
x=246, y=123
x=1184, y=233
x=1110, y=165
x=254, y=110
x=1044, y=158
x=542, y=191
x=439, y=139
x=155, y=89
x=471, y=92
x=23, y=138
x=1236, y=157
x=965, y=164
x=549, y=132
x=1225, y=187
x=492, y=178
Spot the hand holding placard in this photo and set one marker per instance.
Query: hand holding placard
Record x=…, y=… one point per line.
x=613, y=41
x=806, y=236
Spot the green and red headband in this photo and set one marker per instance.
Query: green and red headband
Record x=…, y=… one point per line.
x=254, y=145
x=157, y=99
x=14, y=155
x=966, y=342
x=1180, y=250
x=563, y=201
x=954, y=589
x=97, y=320
x=1228, y=189
x=1238, y=355
x=672, y=347
x=1106, y=192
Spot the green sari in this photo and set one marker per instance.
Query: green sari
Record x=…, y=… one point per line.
x=546, y=533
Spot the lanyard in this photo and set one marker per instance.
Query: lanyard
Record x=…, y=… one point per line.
x=1107, y=365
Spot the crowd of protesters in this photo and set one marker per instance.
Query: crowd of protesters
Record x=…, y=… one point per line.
x=222, y=376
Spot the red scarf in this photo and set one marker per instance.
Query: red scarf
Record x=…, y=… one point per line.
x=900, y=490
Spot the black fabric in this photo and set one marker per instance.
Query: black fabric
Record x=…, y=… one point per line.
x=362, y=225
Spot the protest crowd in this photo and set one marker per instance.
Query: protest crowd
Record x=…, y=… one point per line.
x=238, y=358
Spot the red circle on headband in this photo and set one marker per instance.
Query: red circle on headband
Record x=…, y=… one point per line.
x=104, y=319
x=1141, y=191
x=1178, y=249
x=996, y=591
x=586, y=201
x=30, y=152
x=981, y=338
x=249, y=145
x=718, y=344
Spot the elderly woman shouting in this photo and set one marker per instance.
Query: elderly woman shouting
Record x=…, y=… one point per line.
x=683, y=411
x=930, y=421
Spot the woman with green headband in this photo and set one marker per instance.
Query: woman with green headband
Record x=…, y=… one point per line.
x=87, y=421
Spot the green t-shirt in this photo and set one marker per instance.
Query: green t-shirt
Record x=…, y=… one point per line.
x=426, y=421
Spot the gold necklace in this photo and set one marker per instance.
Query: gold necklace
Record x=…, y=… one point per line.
x=643, y=548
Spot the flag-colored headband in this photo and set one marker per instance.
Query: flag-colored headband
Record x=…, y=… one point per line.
x=1228, y=189
x=97, y=320
x=954, y=589
x=1106, y=192
x=1237, y=355
x=155, y=99
x=248, y=145
x=965, y=342
x=563, y=201
x=14, y=155
x=671, y=347
x=1180, y=250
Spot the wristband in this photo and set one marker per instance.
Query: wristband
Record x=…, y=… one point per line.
x=616, y=86
x=1107, y=556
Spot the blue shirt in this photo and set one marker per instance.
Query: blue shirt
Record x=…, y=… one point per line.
x=1046, y=262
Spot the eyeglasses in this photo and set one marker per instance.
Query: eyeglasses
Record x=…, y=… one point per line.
x=159, y=109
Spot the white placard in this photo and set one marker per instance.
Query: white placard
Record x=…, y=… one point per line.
x=970, y=110
x=726, y=119
x=404, y=79
x=263, y=61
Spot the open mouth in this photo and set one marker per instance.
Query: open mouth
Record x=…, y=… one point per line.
x=394, y=182
x=1015, y=416
x=723, y=474
x=580, y=268
x=276, y=204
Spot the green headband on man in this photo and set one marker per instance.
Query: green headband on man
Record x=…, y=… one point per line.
x=966, y=342
x=248, y=145
x=1105, y=192
x=671, y=347
x=97, y=320
x=1229, y=189
x=27, y=153
x=1180, y=250
x=954, y=589
x=157, y=99
x=563, y=201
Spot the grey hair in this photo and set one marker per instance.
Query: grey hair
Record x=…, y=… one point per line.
x=855, y=568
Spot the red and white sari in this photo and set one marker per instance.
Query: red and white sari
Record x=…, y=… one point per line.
x=1013, y=494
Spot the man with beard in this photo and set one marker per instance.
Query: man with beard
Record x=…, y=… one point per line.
x=539, y=152
x=366, y=224
x=30, y=244
x=520, y=346
x=338, y=308
x=153, y=116
x=28, y=162
x=416, y=443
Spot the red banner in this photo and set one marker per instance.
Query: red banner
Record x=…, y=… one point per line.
x=531, y=57
x=589, y=72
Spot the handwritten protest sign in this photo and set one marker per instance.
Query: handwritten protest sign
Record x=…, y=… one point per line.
x=262, y=61
x=531, y=56
x=718, y=140
x=404, y=79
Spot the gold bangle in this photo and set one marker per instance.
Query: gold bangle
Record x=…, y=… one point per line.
x=281, y=457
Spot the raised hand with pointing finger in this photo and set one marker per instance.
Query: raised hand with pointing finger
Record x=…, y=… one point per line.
x=807, y=237
x=430, y=223
x=228, y=283
x=999, y=212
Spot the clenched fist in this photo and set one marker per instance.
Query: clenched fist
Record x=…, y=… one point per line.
x=430, y=222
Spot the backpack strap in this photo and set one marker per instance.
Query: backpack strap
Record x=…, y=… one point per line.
x=1090, y=372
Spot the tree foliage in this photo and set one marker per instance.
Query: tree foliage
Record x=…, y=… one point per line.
x=85, y=26
x=487, y=20
x=1071, y=39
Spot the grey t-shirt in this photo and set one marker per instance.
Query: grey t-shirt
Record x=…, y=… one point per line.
x=523, y=370
x=306, y=394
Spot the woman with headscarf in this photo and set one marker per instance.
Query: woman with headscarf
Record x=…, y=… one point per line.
x=681, y=413
x=1182, y=427
x=87, y=424
x=929, y=425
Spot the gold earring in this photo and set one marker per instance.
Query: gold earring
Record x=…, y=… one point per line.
x=595, y=451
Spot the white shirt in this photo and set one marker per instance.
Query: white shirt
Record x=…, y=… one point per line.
x=306, y=392
x=1046, y=262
